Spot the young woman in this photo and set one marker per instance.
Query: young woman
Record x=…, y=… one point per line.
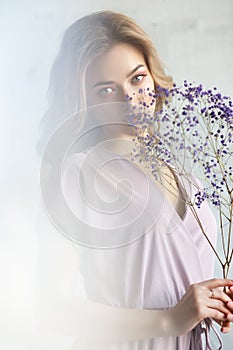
x=144, y=264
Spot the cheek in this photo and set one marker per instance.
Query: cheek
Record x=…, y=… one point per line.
x=147, y=94
x=147, y=87
x=94, y=99
x=90, y=97
x=150, y=84
x=149, y=91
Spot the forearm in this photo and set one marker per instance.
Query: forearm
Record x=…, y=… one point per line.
x=88, y=320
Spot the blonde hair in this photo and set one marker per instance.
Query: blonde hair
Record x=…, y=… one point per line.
x=85, y=39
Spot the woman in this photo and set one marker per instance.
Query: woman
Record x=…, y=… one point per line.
x=147, y=275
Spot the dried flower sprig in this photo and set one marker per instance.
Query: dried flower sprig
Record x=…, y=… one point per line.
x=192, y=133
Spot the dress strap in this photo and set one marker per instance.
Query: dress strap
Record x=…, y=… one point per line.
x=196, y=336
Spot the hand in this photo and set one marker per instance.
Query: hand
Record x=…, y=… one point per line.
x=226, y=325
x=202, y=300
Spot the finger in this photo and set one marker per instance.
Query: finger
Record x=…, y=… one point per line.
x=218, y=282
x=218, y=305
x=218, y=293
x=226, y=290
x=220, y=323
x=230, y=305
x=226, y=327
x=217, y=315
x=229, y=317
x=231, y=291
x=230, y=295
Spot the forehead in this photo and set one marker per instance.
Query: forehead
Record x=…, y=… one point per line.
x=116, y=63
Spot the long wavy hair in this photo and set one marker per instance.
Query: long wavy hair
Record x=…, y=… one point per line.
x=86, y=39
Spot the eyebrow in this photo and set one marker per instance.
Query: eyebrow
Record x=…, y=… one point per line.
x=109, y=82
x=135, y=69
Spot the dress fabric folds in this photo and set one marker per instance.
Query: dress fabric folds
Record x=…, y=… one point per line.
x=135, y=250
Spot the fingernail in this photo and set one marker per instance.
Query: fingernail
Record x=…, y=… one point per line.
x=224, y=330
x=230, y=304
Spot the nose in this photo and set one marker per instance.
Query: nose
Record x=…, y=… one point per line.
x=121, y=94
x=125, y=94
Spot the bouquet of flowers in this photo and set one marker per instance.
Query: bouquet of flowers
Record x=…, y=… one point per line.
x=192, y=133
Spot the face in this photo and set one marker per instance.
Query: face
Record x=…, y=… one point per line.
x=120, y=72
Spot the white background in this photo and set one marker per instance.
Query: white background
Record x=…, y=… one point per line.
x=194, y=38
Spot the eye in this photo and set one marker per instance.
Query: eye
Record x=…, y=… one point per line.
x=106, y=91
x=138, y=78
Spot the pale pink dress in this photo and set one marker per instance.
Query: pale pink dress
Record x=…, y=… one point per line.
x=143, y=254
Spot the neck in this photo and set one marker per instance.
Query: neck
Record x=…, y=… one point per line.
x=122, y=145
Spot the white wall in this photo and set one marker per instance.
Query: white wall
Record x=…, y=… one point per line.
x=195, y=39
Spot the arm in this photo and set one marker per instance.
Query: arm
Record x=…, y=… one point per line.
x=94, y=321
x=58, y=310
